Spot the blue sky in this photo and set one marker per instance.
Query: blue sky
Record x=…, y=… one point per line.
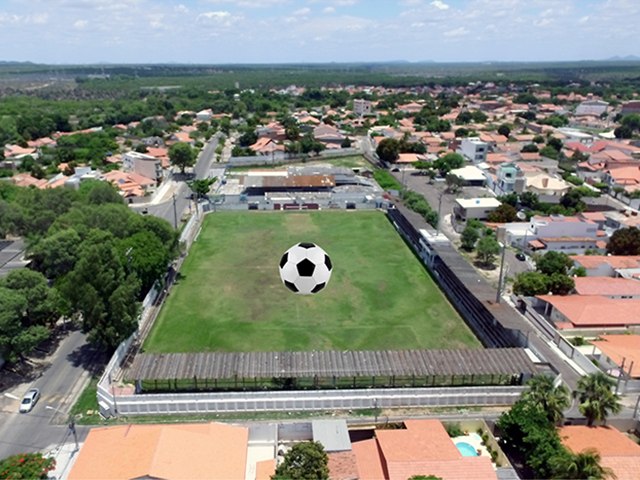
x=280, y=31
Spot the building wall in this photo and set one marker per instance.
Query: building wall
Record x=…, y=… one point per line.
x=479, y=213
x=560, y=228
x=361, y=107
x=571, y=247
x=474, y=149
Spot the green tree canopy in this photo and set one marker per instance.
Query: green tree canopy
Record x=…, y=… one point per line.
x=505, y=213
x=554, y=262
x=531, y=284
x=17, y=335
x=504, y=129
x=305, y=461
x=27, y=466
x=469, y=237
x=486, y=250
x=388, y=150
x=625, y=241
x=182, y=155
x=550, y=399
x=597, y=400
x=560, y=284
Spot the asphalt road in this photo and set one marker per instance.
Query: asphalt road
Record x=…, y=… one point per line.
x=173, y=213
x=60, y=384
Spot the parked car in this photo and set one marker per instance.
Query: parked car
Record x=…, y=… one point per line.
x=521, y=256
x=29, y=400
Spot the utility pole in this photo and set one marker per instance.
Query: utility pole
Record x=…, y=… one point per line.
x=175, y=213
x=439, y=209
x=499, y=291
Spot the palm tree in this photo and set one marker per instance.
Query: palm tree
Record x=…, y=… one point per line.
x=597, y=401
x=577, y=466
x=551, y=399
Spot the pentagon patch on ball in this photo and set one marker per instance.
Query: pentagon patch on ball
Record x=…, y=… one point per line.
x=305, y=268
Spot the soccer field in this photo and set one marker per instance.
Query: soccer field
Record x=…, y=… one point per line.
x=230, y=297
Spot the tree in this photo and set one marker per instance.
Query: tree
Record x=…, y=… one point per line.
x=43, y=303
x=487, y=249
x=146, y=256
x=531, y=284
x=551, y=400
x=597, y=401
x=573, y=200
x=549, y=152
x=625, y=241
x=554, y=262
x=26, y=465
x=560, y=284
x=529, y=200
x=107, y=299
x=503, y=214
x=17, y=336
x=305, y=461
x=578, y=466
x=469, y=237
x=55, y=255
x=388, y=150
x=182, y=155
x=530, y=148
x=448, y=162
x=505, y=130
x=454, y=183
x=201, y=186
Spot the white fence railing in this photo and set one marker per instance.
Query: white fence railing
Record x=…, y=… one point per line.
x=220, y=402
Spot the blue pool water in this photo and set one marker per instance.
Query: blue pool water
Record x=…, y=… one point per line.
x=466, y=450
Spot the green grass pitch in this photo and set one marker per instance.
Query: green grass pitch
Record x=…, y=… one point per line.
x=230, y=297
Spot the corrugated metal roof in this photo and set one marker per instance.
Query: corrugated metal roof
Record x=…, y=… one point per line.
x=332, y=434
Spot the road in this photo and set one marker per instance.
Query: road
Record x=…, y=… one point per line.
x=59, y=385
x=173, y=208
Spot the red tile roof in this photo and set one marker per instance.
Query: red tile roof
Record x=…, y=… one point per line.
x=595, y=310
x=619, y=347
x=607, y=286
x=606, y=440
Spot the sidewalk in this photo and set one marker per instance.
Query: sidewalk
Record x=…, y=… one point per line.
x=65, y=456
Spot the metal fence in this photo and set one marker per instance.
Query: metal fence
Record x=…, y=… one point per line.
x=190, y=403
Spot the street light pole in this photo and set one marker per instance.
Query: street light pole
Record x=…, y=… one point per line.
x=499, y=291
x=439, y=209
x=175, y=213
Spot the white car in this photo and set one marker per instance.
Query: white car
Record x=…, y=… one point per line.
x=29, y=400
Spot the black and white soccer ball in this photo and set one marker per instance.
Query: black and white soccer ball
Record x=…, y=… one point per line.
x=305, y=268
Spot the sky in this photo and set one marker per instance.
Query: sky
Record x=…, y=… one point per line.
x=315, y=31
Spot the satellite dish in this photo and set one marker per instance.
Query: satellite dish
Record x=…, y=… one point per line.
x=521, y=215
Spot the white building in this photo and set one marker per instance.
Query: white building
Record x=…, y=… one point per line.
x=204, y=115
x=470, y=175
x=362, y=107
x=564, y=234
x=478, y=208
x=142, y=164
x=474, y=149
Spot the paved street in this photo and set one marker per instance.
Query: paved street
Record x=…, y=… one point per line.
x=181, y=192
x=59, y=384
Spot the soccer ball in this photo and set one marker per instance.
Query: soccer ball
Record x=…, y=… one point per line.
x=305, y=268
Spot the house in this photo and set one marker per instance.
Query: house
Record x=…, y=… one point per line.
x=608, y=265
x=267, y=147
x=362, y=107
x=176, y=451
x=591, y=108
x=620, y=352
x=619, y=287
x=617, y=451
x=422, y=448
x=624, y=177
x=328, y=135
x=412, y=107
x=566, y=234
x=131, y=184
x=470, y=175
x=143, y=164
x=204, y=115
x=545, y=184
x=509, y=179
x=475, y=208
x=630, y=107
x=590, y=311
x=474, y=149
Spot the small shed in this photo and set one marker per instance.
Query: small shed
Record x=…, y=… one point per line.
x=332, y=434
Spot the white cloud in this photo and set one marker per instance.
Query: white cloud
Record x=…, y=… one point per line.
x=80, y=24
x=584, y=19
x=180, y=8
x=329, y=10
x=155, y=20
x=456, y=32
x=439, y=4
x=543, y=22
x=302, y=12
x=252, y=3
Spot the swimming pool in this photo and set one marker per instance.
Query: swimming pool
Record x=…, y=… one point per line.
x=466, y=449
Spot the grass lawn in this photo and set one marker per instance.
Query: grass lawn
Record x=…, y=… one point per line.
x=230, y=297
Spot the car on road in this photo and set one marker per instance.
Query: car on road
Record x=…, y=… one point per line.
x=29, y=400
x=521, y=256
